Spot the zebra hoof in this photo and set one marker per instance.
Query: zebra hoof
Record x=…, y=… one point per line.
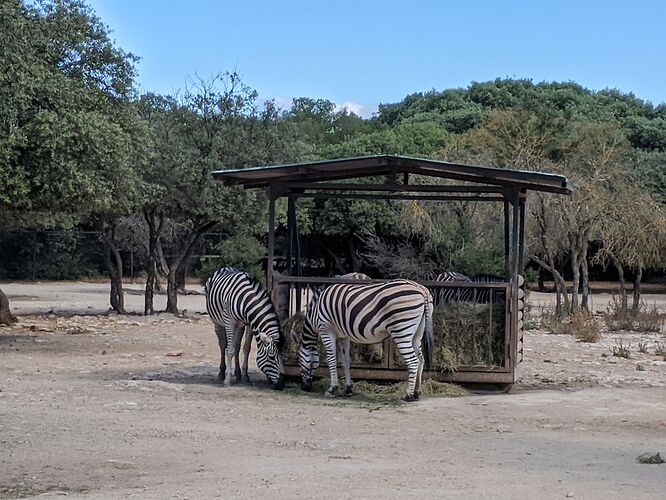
x=349, y=391
x=331, y=392
x=220, y=378
x=246, y=379
x=409, y=398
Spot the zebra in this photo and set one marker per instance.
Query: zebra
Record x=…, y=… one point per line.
x=236, y=302
x=448, y=295
x=479, y=296
x=354, y=276
x=367, y=314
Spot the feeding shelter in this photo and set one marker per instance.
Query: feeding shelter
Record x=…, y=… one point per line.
x=389, y=177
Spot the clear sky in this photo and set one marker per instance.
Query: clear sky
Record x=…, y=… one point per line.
x=368, y=52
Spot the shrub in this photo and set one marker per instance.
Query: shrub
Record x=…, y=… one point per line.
x=582, y=325
x=585, y=327
x=620, y=350
x=644, y=319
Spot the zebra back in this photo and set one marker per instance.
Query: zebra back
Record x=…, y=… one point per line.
x=240, y=295
x=479, y=296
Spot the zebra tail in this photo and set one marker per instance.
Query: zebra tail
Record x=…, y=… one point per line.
x=428, y=336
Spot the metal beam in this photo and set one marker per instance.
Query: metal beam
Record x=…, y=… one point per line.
x=360, y=196
x=393, y=188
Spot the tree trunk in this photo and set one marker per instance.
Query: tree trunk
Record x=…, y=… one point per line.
x=154, y=229
x=623, y=283
x=6, y=316
x=585, y=279
x=575, y=271
x=175, y=266
x=162, y=265
x=114, y=263
x=353, y=254
x=337, y=262
x=184, y=267
x=560, y=286
x=637, y=290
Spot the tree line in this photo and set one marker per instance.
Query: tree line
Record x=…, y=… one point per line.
x=80, y=147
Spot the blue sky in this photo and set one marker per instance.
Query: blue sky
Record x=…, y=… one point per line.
x=368, y=52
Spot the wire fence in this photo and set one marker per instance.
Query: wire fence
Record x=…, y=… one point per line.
x=77, y=254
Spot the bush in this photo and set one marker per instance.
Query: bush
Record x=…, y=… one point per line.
x=644, y=319
x=582, y=325
x=50, y=255
x=621, y=350
x=585, y=327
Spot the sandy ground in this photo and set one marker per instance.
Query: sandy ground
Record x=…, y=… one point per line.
x=118, y=407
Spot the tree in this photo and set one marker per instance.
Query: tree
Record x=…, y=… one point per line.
x=65, y=137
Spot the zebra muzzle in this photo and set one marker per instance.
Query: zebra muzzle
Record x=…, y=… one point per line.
x=279, y=385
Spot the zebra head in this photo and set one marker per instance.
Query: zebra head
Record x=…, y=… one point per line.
x=269, y=361
x=308, y=351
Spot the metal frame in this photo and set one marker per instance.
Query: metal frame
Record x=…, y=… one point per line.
x=313, y=180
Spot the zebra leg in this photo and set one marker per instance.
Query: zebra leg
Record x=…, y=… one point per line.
x=247, y=347
x=406, y=349
x=222, y=342
x=231, y=327
x=328, y=339
x=237, y=368
x=344, y=351
x=416, y=345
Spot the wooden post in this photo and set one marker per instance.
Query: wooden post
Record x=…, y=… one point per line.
x=506, y=240
x=271, y=241
x=521, y=242
x=290, y=234
x=513, y=305
x=515, y=236
x=297, y=242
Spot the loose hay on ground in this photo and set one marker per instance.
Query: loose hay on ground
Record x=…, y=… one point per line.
x=373, y=391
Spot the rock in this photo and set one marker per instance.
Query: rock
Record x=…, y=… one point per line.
x=174, y=354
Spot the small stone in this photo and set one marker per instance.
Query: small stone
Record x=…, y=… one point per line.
x=570, y=494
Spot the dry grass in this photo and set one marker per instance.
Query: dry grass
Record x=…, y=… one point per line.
x=462, y=337
x=621, y=350
x=292, y=329
x=585, y=327
x=648, y=319
x=378, y=392
x=582, y=325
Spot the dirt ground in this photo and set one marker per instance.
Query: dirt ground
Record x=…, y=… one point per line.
x=97, y=406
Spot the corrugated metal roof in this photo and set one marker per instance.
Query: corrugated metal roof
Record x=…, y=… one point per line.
x=381, y=165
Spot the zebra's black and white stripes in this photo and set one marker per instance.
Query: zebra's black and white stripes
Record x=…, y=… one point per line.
x=453, y=294
x=236, y=301
x=367, y=314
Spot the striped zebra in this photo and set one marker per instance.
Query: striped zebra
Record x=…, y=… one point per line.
x=354, y=276
x=367, y=314
x=238, y=306
x=479, y=296
x=448, y=295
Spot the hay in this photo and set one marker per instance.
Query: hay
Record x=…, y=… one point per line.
x=462, y=337
x=292, y=329
x=374, y=391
